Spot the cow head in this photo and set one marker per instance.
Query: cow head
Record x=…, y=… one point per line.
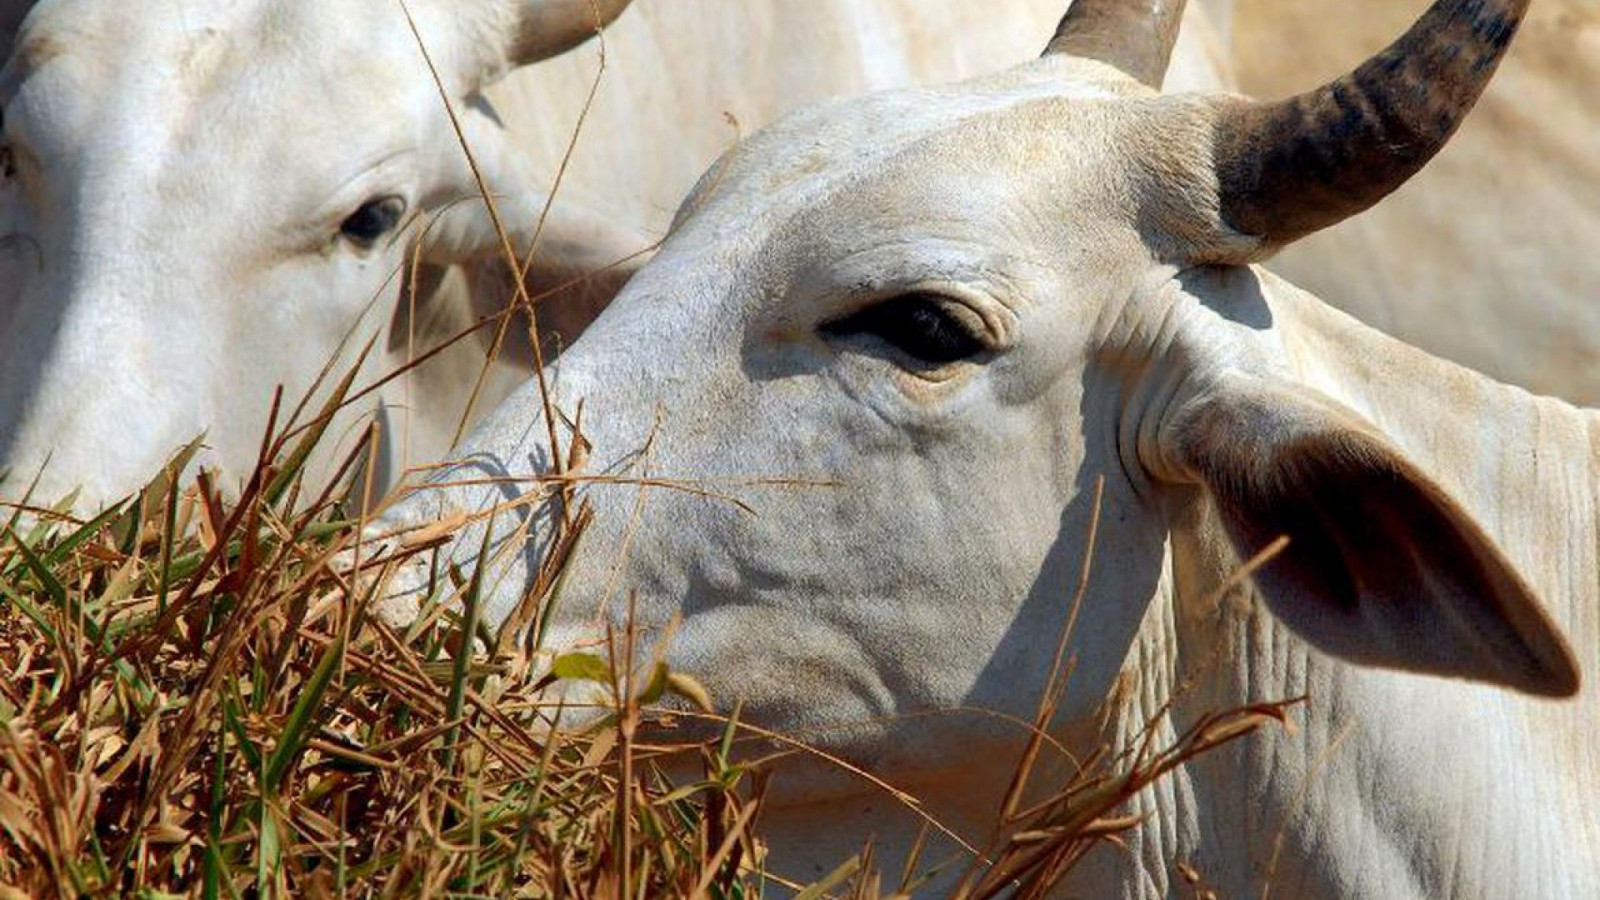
x=201, y=202
x=846, y=431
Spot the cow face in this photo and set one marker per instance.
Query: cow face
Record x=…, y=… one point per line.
x=875, y=355
x=199, y=204
x=902, y=339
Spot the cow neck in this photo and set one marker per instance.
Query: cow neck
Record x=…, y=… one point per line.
x=1390, y=784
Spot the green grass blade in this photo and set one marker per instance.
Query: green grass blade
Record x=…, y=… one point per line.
x=296, y=460
x=76, y=539
x=269, y=855
x=232, y=720
x=169, y=537
x=216, y=868
x=33, y=613
x=298, y=727
x=47, y=580
x=469, y=627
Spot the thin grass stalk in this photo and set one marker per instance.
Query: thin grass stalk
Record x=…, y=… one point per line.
x=500, y=230
x=469, y=627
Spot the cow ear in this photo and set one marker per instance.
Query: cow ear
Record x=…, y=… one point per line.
x=568, y=232
x=491, y=38
x=1382, y=566
x=580, y=263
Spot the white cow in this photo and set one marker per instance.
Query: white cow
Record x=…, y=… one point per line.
x=203, y=200
x=911, y=333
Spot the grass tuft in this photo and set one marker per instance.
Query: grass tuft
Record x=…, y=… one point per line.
x=196, y=700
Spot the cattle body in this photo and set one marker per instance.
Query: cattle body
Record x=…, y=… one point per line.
x=203, y=203
x=918, y=334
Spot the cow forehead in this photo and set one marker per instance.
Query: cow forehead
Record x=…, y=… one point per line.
x=915, y=185
x=185, y=58
x=864, y=145
x=138, y=26
x=217, y=104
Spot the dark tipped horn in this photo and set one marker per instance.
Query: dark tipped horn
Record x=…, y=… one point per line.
x=1136, y=36
x=1289, y=168
x=547, y=28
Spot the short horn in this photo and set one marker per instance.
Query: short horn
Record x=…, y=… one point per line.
x=546, y=28
x=1136, y=36
x=1290, y=168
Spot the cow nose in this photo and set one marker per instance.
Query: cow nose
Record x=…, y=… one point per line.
x=89, y=399
x=434, y=534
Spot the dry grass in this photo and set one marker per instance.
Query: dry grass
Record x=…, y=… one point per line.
x=197, y=702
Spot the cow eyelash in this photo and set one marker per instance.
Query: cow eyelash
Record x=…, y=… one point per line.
x=918, y=324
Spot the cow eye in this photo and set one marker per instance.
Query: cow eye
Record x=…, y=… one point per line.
x=921, y=325
x=376, y=218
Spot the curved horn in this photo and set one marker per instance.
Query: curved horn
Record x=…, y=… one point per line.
x=546, y=28
x=1136, y=36
x=1289, y=168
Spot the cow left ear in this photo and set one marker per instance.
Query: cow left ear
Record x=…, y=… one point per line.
x=1382, y=567
x=573, y=235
